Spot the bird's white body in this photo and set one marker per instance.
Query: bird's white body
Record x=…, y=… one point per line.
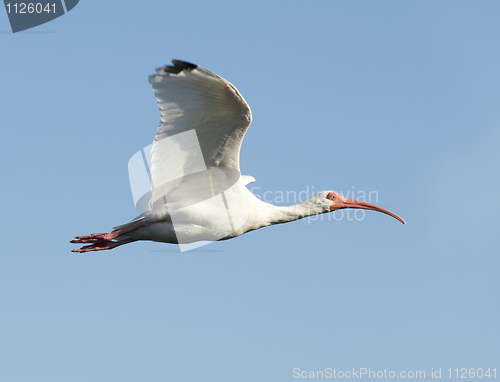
x=207, y=223
x=192, y=99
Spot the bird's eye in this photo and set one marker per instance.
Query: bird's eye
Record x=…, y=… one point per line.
x=332, y=196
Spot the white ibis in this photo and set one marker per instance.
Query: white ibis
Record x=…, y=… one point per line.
x=193, y=99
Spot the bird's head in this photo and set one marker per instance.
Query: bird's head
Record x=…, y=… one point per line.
x=337, y=202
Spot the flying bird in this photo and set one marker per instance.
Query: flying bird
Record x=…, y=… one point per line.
x=192, y=199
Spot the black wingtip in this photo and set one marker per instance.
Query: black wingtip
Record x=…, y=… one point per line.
x=179, y=66
x=184, y=64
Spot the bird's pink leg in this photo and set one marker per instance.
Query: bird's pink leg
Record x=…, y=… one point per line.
x=103, y=241
x=101, y=245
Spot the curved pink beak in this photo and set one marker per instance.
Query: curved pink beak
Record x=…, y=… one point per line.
x=350, y=203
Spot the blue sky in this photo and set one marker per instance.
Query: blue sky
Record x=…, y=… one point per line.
x=401, y=98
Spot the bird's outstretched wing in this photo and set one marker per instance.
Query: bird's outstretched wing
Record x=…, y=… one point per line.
x=203, y=121
x=192, y=98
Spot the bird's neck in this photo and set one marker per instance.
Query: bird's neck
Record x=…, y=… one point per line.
x=298, y=211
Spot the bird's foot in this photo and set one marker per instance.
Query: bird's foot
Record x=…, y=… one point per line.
x=103, y=241
x=98, y=245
